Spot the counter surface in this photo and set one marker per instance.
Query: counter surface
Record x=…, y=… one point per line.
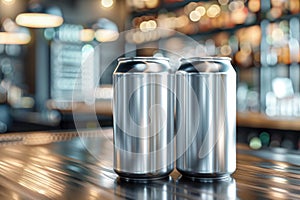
x=63, y=165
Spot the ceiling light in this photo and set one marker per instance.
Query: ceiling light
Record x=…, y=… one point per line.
x=40, y=17
x=87, y=35
x=8, y=2
x=106, y=30
x=14, y=38
x=107, y=3
x=39, y=20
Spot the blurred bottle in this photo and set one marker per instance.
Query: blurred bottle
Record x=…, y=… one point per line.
x=265, y=138
x=275, y=140
x=289, y=142
x=254, y=141
x=241, y=136
x=5, y=117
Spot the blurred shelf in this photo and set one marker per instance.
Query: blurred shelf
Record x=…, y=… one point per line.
x=259, y=120
x=100, y=107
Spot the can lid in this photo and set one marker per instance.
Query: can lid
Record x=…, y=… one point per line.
x=143, y=65
x=205, y=64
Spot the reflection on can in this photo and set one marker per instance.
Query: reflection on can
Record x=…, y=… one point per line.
x=143, y=111
x=206, y=117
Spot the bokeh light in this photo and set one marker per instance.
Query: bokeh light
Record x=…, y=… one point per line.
x=213, y=11
x=195, y=16
x=107, y=3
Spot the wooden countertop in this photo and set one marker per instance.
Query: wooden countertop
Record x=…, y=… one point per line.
x=260, y=120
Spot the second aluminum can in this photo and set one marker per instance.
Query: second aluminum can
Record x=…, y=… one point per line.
x=206, y=118
x=143, y=112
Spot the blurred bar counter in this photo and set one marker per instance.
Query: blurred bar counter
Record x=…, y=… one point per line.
x=261, y=120
x=78, y=165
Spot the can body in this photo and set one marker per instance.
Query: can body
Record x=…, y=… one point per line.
x=143, y=112
x=206, y=118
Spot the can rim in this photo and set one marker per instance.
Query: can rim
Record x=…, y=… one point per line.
x=144, y=58
x=206, y=58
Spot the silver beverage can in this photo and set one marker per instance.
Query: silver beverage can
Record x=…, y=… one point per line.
x=206, y=118
x=143, y=114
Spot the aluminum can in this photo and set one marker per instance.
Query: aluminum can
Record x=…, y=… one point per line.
x=206, y=118
x=143, y=114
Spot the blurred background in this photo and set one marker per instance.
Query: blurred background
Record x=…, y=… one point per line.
x=44, y=44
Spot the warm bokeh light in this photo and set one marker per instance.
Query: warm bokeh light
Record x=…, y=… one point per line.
x=239, y=16
x=87, y=35
x=146, y=26
x=277, y=3
x=213, y=11
x=143, y=26
x=181, y=21
x=107, y=3
x=39, y=20
x=254, y=5
x=275, y=12
x=190, y=7
x=142, y=4
x=151, y=3
x=195, y=16
x=103, y=35
x=294, y=6
x=14, y=38
x=9, y=25
x=223, y=2
x=277, y=35
x=166, y=21
x=138, y=37
x=8, y=2
x=236, y=5
x=246, y=47
x=201, y=10
x=138, y=4
x=251, y=35
x=226, y=50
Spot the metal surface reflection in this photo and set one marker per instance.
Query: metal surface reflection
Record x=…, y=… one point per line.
x=64, y=169
x=163, y=190
x=205, y=117
x=143, y=111
x=221, y=189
